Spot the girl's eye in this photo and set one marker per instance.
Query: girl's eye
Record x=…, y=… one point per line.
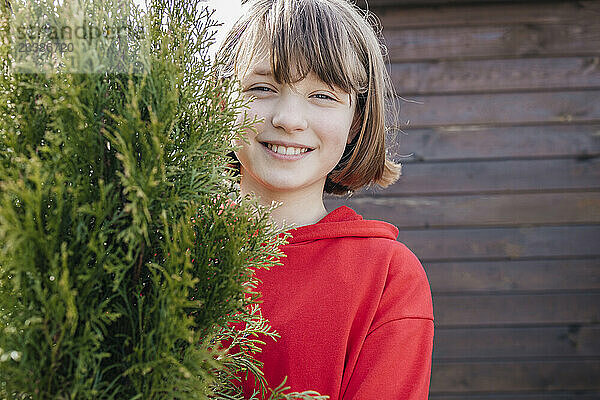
x=266, y=89
x=324, y=96
x=260, y=89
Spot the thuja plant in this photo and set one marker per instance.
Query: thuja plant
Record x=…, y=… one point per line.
x=126, y=251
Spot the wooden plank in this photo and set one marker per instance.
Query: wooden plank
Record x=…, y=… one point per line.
x=496, y=75
x=502, y=243
x=479, y=210
x=513, y=276
x=377, y=4
x=515, y=343
x=493, y=41
x=494, y=177
x=565, y=12
x=515, y=376
x=499, y=108
x=516, y=309
x=562, y=395
x=468, y=142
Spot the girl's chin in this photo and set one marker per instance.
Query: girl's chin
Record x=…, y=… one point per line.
x=284, y=186
x=287, y=184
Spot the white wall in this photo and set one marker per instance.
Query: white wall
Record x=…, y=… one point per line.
x=226, y=12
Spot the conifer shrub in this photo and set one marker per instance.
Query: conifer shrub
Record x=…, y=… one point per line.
x=126, y=251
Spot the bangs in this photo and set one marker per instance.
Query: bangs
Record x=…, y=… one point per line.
x=302, y=37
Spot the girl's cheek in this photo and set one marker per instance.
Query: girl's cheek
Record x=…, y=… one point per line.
x=336, y=127
x=261, y=113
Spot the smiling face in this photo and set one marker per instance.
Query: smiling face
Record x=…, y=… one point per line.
x=302, y=135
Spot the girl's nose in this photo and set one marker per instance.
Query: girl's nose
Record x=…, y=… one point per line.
x=289, y=115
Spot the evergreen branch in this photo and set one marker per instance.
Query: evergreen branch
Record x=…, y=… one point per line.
x=127, y=256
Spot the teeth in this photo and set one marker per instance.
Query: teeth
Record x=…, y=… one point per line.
x=286, y=150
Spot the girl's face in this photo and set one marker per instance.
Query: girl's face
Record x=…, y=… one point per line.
x=302, y=136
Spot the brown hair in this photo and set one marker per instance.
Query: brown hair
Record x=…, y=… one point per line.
x=335, y=40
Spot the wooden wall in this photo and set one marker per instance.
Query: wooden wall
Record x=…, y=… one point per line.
x=500, y=194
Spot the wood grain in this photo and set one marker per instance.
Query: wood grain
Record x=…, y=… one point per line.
x=516, y=309
x=489, y=76
x=494, y=176
x=479, y=210
x=377, y=4
x=562, y=395
x=508, y=13
x=386, y=3
x=503, y=243
x=499, y=109
x=513, y=276
x=481, y=142
x=516, y=343
x=515, y=376
x=493, y=41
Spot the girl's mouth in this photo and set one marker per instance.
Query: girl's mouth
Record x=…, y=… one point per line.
x=286, y=153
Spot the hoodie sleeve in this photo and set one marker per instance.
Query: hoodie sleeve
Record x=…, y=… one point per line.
x=394, y=361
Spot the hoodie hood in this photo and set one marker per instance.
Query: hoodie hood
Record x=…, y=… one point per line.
x=342, y=222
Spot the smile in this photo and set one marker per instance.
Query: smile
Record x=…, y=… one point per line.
x=286, y=153
x=285, y=150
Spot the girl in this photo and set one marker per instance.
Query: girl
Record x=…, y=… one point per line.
x=352, y=305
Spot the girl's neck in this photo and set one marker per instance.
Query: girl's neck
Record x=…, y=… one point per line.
x=300, y=208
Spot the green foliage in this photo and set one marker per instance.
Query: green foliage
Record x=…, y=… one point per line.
x=126, y=252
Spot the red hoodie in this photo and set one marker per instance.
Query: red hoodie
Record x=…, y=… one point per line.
x=353, y=308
